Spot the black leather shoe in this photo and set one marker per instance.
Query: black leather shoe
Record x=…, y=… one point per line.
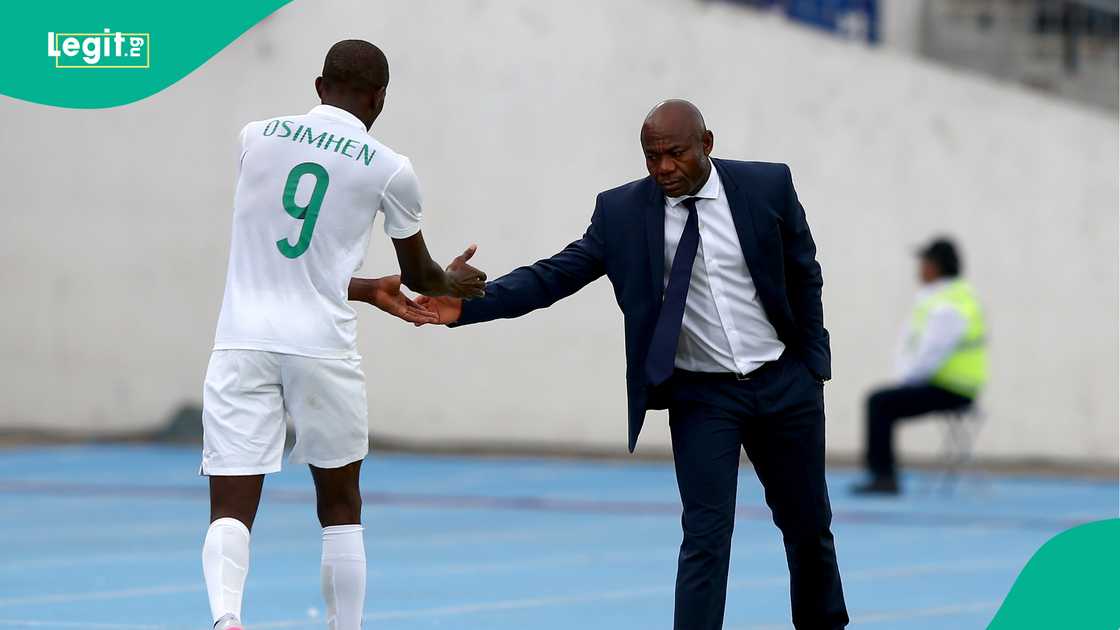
x=885, y=486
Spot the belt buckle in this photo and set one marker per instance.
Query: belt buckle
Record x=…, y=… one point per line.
x=743, y=377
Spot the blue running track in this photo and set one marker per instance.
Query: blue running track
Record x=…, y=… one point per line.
x=110, y=537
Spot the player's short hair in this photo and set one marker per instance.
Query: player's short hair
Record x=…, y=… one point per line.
x=356, y=64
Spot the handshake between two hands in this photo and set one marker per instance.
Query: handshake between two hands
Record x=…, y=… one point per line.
x=465, y=282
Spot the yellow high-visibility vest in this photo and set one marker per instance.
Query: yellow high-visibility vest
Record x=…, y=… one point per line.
x=966, y=369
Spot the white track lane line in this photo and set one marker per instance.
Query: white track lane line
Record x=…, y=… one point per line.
x=280, y=542
x=868, y=618
x=638, y=593
x=125, y=593
x=27, y=623
x=533, y=602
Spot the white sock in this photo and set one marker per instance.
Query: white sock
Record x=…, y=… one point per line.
x=225, y=563
x=344, y=576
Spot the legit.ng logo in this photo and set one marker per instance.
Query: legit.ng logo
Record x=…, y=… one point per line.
x=100, y=50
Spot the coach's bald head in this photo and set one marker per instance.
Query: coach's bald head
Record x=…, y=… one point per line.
x=677, y=143
x=355, y=77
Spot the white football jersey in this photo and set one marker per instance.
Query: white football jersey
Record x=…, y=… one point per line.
x=308, y=190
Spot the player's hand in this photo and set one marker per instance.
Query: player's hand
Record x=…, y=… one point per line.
x=387, y=296
x=464, y=280
x=446, y=309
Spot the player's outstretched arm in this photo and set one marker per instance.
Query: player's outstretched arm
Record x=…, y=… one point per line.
x=423, y=275
x=385, y=294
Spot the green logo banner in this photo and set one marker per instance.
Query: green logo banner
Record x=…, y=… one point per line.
x=104, y=54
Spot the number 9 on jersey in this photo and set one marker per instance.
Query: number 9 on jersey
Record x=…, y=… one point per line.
x=309, y=213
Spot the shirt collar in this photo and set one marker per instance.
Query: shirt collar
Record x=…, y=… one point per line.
x=932, y=288
x=710, y=190
x=339, y=114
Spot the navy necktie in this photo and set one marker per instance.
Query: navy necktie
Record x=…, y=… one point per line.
x=662, y=354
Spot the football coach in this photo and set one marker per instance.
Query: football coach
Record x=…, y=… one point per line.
x=715, y=271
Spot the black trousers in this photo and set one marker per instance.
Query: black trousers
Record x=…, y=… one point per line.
x=885, y=407
x=778, y=417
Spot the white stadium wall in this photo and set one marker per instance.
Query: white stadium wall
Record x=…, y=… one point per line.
x=515, y=115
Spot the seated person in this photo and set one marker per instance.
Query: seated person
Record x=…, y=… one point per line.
x=942, y=363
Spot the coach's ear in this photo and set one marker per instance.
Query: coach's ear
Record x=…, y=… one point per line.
x=319, y=87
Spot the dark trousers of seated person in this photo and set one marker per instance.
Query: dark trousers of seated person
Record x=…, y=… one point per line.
x=887, y=406
x=778, y=418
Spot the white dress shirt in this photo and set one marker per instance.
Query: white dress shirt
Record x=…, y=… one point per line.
x=922, y=353
x=725, y=328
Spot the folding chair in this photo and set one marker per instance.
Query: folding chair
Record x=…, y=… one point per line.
x=959, y=430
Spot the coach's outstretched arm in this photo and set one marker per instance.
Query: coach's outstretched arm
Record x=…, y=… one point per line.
x=527, y=289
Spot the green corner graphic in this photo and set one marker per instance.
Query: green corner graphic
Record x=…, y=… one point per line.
x=1072, y=582
x=135, y=50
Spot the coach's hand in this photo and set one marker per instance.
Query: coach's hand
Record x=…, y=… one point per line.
x=465, y=281
x=446, y=309
x=385, y=294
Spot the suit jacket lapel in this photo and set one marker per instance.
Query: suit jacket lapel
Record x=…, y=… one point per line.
x=655, y=237
x=743, y=219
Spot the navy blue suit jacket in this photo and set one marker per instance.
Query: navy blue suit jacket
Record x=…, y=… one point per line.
x=626, y=241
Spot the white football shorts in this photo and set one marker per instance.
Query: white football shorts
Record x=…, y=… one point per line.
x=247, y=394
